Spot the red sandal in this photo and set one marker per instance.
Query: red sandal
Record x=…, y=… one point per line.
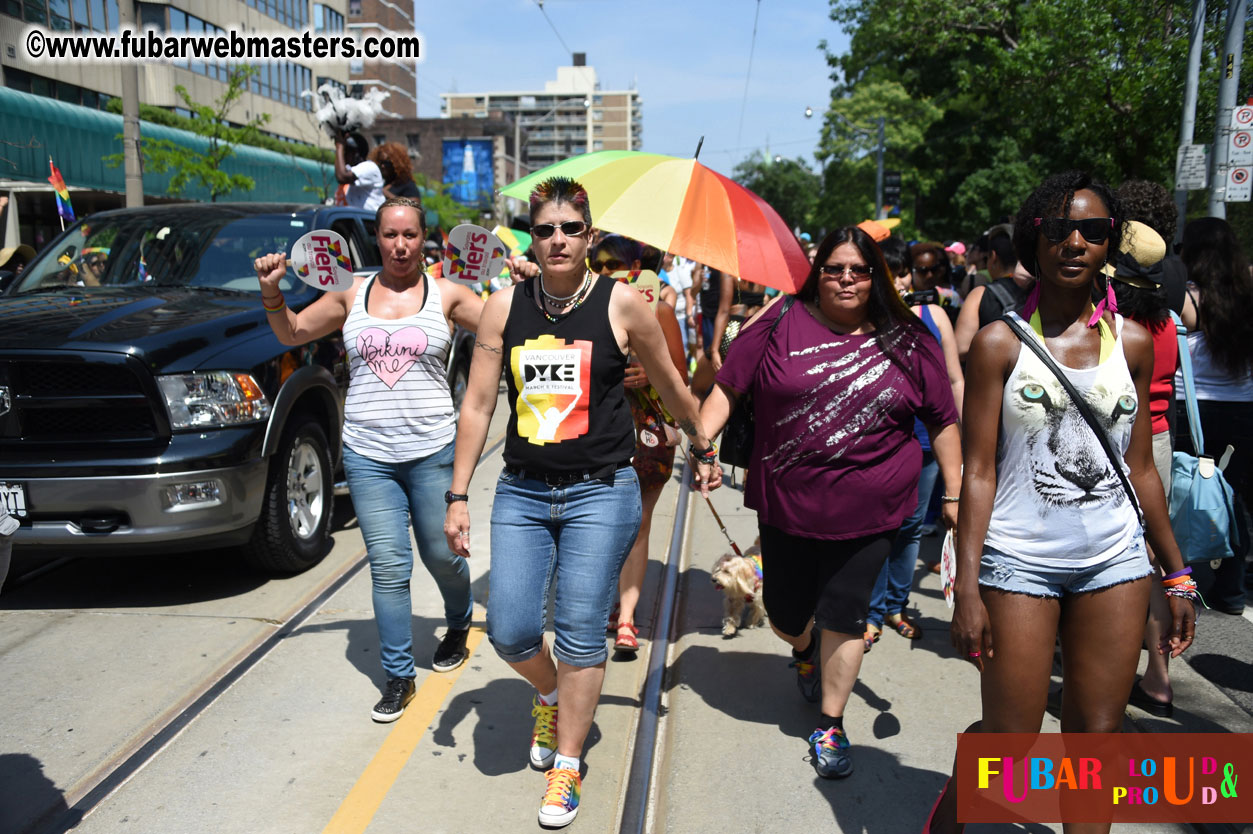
x=625, y=641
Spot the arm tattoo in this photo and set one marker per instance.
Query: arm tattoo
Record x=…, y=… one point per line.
x=486, y=347
x=688, y=427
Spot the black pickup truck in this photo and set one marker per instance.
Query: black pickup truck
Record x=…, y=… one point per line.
x=145, y=404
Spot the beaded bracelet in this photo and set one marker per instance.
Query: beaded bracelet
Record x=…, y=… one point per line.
x=1185, y=590
x=709, y=455
x=1177, y=574
x=282, y=303
x=949, y=499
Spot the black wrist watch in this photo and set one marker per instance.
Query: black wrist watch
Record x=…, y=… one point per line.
x=451, y=497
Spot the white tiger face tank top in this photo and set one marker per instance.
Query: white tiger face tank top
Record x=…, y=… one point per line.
x=1059, y=503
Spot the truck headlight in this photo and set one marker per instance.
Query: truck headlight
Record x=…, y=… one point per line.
x=213, y=399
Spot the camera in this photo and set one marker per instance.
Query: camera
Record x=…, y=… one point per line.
x=921, y=298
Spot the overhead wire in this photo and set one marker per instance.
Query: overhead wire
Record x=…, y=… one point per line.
x=749, y=75
x=540, y=4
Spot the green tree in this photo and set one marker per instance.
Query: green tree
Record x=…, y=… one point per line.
x=442, y=210
x=192, y=167
x=1024, y=89
x=788, y=185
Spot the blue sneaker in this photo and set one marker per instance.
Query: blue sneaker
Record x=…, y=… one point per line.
x=808, y=681
x=831, y=758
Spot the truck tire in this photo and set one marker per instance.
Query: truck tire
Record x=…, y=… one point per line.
x=458, y=382
x=292, y=534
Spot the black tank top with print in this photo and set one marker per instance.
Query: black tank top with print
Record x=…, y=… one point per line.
x=568, y=410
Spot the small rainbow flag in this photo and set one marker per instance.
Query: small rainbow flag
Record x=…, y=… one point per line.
x=63, y=194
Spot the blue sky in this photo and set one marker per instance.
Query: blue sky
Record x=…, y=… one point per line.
x=688, y=59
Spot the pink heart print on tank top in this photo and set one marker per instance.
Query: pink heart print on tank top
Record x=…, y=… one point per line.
x=390, y=355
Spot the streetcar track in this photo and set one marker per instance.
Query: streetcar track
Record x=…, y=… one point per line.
x=145, y=745
x=641, y=782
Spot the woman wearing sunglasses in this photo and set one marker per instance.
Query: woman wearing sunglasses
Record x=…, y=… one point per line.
x=567, y=505
x=1049, y=541
x=655, y=436
x=837, y=378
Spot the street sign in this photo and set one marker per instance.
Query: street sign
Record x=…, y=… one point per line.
x=1239, y=185
x=1240, y=149
x=1191, y=168
x=1242, y=117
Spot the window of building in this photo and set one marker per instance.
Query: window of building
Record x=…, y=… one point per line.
x=413, y=140
x=59, y=15
x=26, y=82
x=35, y=11
x=326, y=19
x=81, y=19
x=379, y=139
x=354, y=8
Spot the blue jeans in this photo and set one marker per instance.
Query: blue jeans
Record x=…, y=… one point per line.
x=388, y=497
x=578, y=535
x=891, y=590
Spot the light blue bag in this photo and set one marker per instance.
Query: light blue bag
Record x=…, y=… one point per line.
x=1202, y=503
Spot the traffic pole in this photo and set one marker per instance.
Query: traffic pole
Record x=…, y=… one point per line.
x=1229, y=81
x=1187, y=127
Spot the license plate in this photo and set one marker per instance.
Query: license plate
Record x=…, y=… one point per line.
x=14, y=498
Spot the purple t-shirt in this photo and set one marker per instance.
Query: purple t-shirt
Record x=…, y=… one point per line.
x=834, y=455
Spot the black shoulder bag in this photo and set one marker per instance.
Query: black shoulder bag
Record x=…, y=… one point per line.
x=738, y=433
x=1085, y=410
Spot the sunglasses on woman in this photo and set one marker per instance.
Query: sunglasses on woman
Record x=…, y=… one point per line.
x=610, y=264
x=570, y=228
x=860, y=272
x=1057, y=229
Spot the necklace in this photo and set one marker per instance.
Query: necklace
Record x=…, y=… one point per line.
x=563, y=300
x=567, y=304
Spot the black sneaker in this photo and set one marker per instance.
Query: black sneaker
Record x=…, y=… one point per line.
x=451, y=651
x=397, y=693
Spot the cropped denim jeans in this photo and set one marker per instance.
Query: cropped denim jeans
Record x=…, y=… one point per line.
x=577, y=536
x=388, y=498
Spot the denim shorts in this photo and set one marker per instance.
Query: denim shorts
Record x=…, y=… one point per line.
x=1009, y=573
x=575, y=537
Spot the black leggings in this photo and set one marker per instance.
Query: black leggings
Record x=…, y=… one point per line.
x=828, y=581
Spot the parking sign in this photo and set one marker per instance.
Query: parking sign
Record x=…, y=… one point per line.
x=1242, y=118
x=1240, y=149
x=1239, y=185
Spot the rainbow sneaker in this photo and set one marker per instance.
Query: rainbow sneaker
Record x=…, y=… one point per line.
x=807, y=678
x=544, y=736
x=831, y=758
x=561, y=799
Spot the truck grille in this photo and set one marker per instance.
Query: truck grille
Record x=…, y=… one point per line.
x=94, y=400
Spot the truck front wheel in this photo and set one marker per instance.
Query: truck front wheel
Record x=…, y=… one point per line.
x=292, y=533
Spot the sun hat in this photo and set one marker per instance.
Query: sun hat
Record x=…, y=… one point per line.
x=1138, y=261
x=26, y=251
x=877, y=231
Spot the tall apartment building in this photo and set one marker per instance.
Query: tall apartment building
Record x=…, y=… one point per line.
x=571, y=115
x=400, y=78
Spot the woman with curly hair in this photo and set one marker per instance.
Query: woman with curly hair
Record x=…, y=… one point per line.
x=1049, y=540
x=393, y=161
x=1221, y=347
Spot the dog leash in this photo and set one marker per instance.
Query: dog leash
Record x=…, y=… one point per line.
x=723, y=527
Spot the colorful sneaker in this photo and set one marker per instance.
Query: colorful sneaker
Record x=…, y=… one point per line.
x=808, y=681
x=831, y=758
x=544, y=736
x=561, y=799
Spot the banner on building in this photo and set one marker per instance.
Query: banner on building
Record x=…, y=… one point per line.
x=468, y=171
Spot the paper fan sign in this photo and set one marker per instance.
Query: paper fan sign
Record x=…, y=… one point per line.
x=473, y=255
x=646, y=283
x=948, y=567
x=320, y=261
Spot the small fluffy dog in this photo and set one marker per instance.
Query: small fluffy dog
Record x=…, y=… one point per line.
x=739, y=579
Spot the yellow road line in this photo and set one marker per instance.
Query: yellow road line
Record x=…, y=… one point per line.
x=363, y=801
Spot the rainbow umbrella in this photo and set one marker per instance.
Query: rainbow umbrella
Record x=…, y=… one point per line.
x=680, y=206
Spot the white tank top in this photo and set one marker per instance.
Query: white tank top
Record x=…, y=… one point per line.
x=1213, y=381
x=398, y=406
x=1059, y=503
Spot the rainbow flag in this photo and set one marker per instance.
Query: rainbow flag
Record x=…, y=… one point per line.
x=63, y=194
